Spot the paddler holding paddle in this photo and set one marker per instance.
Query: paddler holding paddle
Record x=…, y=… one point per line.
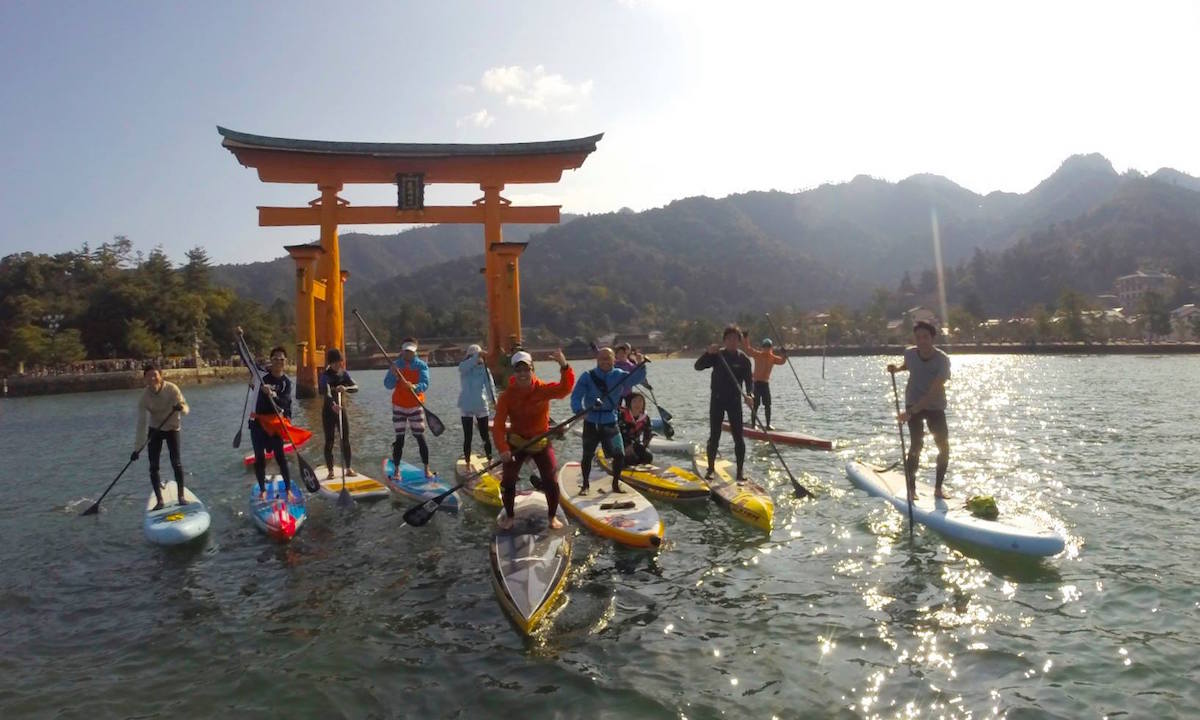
x=266, y=426
x=765, y=361
x=408, y=381
x=925, y=400
x=331, y=385
x=525, y=407
x=730, y=369
x=164, y=403
x=600, y=389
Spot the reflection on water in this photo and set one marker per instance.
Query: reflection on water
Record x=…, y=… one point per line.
x=838, y=613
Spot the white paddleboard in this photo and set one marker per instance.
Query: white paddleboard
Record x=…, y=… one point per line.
x=627, y=517
x=1008, y=533
x=175, y=524
x=358, y=485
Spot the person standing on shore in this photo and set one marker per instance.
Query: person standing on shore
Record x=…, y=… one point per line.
x=165, y=405
x=408, y=381
x=764, y=362
x=726, y=395
x=476, y=389
x=331, y=385
x=525, y=407
x=599, y=391
x=928, y=370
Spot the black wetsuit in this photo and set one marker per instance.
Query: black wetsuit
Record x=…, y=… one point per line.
x=726, y=400
x=261, y=439
x=329, y=380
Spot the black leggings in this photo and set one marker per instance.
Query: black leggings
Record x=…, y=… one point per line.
x=607, y=437
x=637, y=455
x=717, y=410
x=762, y=396
x=398, y=450
x=263, y=442
x=329, y=420
x=155, y=440
x=468, y=423
x=936, y=420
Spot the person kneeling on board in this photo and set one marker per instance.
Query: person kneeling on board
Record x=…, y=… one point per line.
x=164, y=403
x=635, y=431
x=525, y=407
x=925, y=400
x=332, y=383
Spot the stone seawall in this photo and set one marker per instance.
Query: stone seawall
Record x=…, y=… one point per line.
x=91, y=382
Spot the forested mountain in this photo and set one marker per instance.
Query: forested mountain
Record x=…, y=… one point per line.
x=369, y=258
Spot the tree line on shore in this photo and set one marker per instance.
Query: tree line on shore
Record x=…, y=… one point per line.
x=112, y=303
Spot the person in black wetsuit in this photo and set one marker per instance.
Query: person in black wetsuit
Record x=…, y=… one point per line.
x=266, y=432
x=333, y=382
x=727, y=396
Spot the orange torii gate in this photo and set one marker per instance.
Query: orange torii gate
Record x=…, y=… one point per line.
x=320, y=314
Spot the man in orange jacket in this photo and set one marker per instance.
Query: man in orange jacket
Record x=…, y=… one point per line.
x=525, y=407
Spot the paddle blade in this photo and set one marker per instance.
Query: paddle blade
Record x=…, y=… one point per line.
x=344, y=499
x=435, y=424
x=421, y=514
x=308, y=476
x=93, y=510
x=237, y=439
x=665, y=415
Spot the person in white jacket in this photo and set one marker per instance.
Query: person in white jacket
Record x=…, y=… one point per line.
x=474, y=397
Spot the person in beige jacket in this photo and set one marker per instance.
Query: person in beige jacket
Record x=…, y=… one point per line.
x=165, y=405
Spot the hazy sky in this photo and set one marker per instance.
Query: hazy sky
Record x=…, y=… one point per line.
x=109, y=109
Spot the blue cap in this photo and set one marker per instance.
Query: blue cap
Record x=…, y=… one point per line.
x=766, y=342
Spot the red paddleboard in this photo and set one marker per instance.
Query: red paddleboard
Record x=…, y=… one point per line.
x=288, y=449
x=784, y=437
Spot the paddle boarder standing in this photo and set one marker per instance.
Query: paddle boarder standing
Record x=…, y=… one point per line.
x=925, y=400
x=475, y=383
x=600, y=390
x=331, y=384
x=407, y=395
x=727, y=396
x=165, y=405
x=525, y=407
x=266, y=429
x=765, y=361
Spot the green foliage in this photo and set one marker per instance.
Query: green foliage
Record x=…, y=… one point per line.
x=1157, y=315
x=113, y=303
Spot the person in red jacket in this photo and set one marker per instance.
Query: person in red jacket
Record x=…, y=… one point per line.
x=525, y=407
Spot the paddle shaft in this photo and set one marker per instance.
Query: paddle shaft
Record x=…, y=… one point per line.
x=909, y=481
x=775, y=330
x=237, y=438
x=95, y=507
x=306, y=472
x=436, y=426
x=414, y=518
x=801, y=491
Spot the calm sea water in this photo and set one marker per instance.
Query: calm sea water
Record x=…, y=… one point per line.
x=835, y=614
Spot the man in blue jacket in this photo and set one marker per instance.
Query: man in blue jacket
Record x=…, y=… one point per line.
x=600, y=390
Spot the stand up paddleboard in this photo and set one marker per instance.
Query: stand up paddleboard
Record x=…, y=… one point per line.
x=281, y=514
x=658, y=443
x=530, y=561
x=175, y=524
x=783, y=437
x=358, y=485
x=669, y=483
x=626, y=517
x=413, y=485
x=484, y=487
x=748, y=501
x=1016, y=534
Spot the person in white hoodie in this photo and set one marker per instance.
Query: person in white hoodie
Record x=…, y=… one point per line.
x=474, y=396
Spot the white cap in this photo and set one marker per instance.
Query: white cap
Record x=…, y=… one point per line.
x=474, y=349
x=409, y=346
x=522, y=357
